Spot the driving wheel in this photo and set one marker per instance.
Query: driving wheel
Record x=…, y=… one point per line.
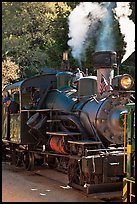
x=28, y=161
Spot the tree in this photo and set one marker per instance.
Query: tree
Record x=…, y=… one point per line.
x=35, y=35
x=132, y=6
x=30, y=37
x=10, y=72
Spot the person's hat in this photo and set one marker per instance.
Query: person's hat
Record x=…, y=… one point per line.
x=6, y=99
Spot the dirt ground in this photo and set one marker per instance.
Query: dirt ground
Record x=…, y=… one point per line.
x=40, y=185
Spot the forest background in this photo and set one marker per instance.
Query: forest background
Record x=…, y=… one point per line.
x=35, y=36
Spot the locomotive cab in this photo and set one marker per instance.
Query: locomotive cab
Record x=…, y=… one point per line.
x=27, y=94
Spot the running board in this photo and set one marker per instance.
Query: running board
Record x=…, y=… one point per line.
x=100, y=188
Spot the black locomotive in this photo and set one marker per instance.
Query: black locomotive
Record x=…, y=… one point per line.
x=72, y=122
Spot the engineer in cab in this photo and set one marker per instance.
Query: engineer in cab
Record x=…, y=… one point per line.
x=11, y=106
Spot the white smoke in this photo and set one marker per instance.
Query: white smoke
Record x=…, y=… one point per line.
x=127, y=27
x=106, y=41
x=83, y=21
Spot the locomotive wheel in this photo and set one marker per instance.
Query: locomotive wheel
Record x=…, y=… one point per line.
x=52, y=162
x=16, y=156
x=74, y=172
x=39, y=159
x=17, y=159
x=28, y=161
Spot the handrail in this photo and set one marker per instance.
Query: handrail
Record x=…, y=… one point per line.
x=125, y=141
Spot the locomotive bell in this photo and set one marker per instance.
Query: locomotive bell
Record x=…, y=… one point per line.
x=105, y=63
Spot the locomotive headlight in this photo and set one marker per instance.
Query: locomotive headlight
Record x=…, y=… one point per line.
x=126, y=82
x=122, y=82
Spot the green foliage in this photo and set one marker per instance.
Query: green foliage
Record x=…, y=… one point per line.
x=10, y=72
x=72, y=4
x=35, y=35
x=59, y=35
x=132, y=6
x=128, y=69
x=128, y=66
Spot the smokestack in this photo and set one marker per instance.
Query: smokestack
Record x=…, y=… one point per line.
x=105, y=63
x=65, y=66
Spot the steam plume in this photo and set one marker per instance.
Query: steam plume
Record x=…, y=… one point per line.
x=84, y=23
x=127, y=27
x=105, y=41
x=83, y=18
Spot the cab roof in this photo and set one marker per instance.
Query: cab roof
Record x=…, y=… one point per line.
x=36, y=81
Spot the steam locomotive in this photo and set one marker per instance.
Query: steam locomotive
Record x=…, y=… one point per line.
x=72, y=122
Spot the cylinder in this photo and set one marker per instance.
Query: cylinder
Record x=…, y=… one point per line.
x=33, y=120
x=56, y=144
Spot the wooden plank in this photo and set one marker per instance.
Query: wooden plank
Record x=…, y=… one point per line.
x=63, y=133
x=84, y=142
